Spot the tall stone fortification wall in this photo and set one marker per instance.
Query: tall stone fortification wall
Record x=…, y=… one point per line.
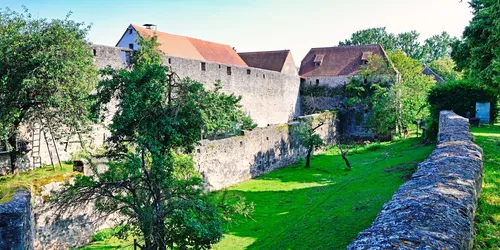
x=269, y=97
x=230, y=161
x=435, y=208
x=223, y=163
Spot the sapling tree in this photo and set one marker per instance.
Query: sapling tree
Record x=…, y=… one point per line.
x=344, y=143
x=151, y=179
x=307, y=135
x=46, y=73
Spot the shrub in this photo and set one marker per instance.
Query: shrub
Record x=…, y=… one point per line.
x=461, y=97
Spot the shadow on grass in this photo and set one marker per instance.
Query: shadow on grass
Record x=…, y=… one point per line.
x=487, y=220
x=323, y=207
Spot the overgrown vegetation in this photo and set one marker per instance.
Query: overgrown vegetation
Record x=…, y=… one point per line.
x=47, y=71
x=151, y=179
x=302, y=208
x=33, y=180
x=487, y=220
x=461, y=97
x=395, y=105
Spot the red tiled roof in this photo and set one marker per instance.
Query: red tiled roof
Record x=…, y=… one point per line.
x=270, y=60
x=342, y=60
x=192, y=48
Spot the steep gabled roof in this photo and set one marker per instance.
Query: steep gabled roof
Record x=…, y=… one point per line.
x=337, y=61
x=192, y=48
x=429, y=72
x=270, y=60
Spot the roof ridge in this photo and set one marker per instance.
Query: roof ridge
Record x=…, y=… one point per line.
x=267, y=51
x=188, y=37
x=347, y=46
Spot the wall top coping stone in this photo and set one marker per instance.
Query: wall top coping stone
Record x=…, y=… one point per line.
x=435, y=208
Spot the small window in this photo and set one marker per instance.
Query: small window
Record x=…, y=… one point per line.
x=130, y=31
x=249, y=72
x=94, y=51
x=263, y=76
x=203, y=66
x=229, y=71
x=169, y=60
x=317, y=81
x=131, y=46
x=219, y=66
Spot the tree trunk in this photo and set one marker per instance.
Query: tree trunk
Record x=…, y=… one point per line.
x=308, y=157
x=347, y=163
x=13, y=152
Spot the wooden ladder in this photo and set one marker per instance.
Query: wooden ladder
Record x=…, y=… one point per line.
x=35, y=152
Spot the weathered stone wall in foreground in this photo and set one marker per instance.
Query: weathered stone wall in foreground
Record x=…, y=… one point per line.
x=230, y=161
x=435, y=208
x=16, y=231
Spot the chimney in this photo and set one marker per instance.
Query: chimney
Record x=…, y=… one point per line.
x=149, y=26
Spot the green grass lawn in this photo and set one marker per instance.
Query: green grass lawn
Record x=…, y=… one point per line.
x=487, y=221
x=33, y=180
x=323, y=207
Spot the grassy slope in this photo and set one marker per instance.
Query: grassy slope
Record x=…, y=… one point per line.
x=487, y=221
x=35, y=179
x=323, y=207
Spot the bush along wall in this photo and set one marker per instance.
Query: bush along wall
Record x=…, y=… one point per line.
x=461, y=97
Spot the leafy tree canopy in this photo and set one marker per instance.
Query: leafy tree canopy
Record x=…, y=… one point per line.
x=433, y=48
x=47, y=72
x=478, y=53
x=151, y=178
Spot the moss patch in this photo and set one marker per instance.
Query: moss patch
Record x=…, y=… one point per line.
x=33, y=180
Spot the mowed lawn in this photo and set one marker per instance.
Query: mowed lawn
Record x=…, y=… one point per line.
x=323, y=207
x=487, y=221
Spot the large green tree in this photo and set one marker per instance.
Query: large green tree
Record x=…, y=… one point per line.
x=478, y=53
x=47, y=72
x=433, y=48
x=151, y=178
x=377, y=35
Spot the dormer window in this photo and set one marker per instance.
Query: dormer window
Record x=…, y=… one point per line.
x=365, y=57
x=318, y=60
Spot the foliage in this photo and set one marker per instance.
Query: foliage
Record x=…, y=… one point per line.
x=47, y=72
x=297, y=207
x=461, y=97
x=404, y=103
x=432, y=49
x=437, y=47
x=372, y=36
x=372, y=81
x=478, y=53
x=33, y=180
x=321, y=90
x=487, y=219
x=150, y=179
x=222, y=114
x=307, y=136
x=445, y=68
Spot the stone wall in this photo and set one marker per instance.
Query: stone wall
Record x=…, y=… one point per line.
x=16, y=231
x=435, y=208
x=269, y=97
x=230, y=161
x=330, y=81
x=54, y=229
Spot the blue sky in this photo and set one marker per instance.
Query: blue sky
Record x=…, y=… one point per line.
x=258, y=24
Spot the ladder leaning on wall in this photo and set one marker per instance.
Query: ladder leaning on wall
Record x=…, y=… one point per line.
x=37, y=129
